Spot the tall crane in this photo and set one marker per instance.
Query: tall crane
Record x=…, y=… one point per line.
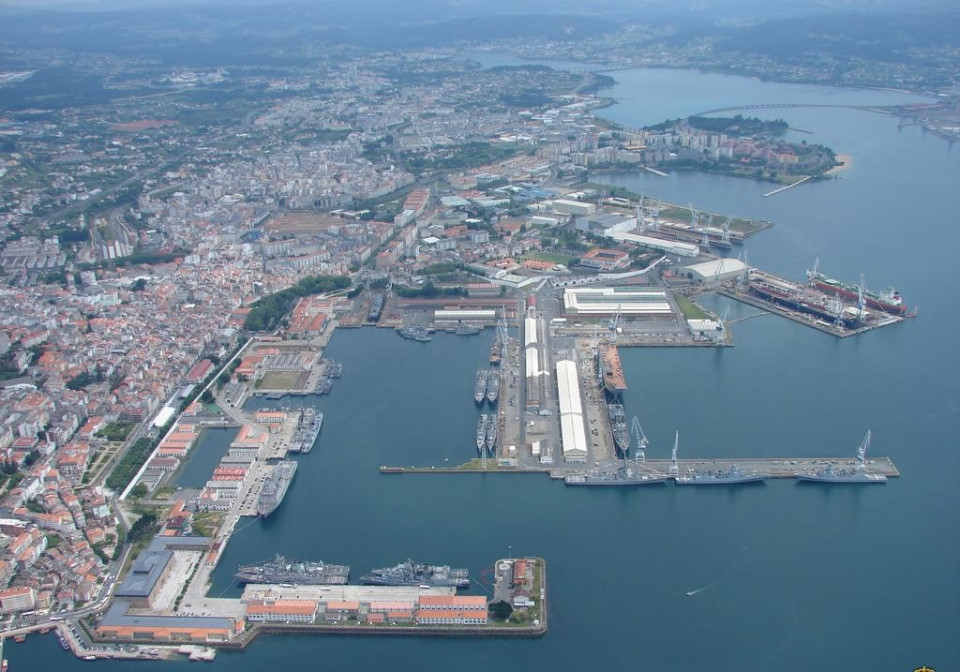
x=615, y=320
x=642, y=442
x=725, y=235
x=674, y=468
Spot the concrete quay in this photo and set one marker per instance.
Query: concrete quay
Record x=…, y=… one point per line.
x=776, y=467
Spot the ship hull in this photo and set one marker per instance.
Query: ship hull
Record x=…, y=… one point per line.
x=275, y=489
x=864, y=479
x=774, y=296
x=418, y=574
x=832, y=286
x=616, y=482
x=280, y=570
x=731, y=480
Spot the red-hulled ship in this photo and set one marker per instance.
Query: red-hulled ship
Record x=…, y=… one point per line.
x=888, y=301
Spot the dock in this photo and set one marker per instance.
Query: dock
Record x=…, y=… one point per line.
x=881, y=320
x=785, y=187
x=776, y=467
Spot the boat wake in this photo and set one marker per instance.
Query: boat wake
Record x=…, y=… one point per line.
x=691, y=593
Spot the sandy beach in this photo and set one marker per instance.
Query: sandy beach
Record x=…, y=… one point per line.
x=847, y=162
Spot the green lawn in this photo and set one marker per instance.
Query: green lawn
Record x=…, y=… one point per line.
x=690, y=310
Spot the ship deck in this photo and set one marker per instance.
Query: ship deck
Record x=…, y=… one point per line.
x=613, y=378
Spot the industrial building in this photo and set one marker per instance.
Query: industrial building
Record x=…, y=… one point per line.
x=445, y=317
x=605, y=260
x=282, y=611
x=668, y=246
x=599, y=301
x=119, y=624
x=711, y=272
x=151, y=567
x=603, y=223
x=573, y=436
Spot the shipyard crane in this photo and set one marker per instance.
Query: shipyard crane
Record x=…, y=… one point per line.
x=725, y=235
x=694, y=218
x=721, y=327
x=861, y=299
x=705, y=241
x=813, y=272
x=655, y=224
x=674, y=469
x=642, y=442
x=615, y=320
x=744, y=278
x=862, y=452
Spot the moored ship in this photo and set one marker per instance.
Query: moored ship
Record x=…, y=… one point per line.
x=491, y=437
x=830, y=474
x=307, y=431
x=467, y=330
x=481, y=433
x=275, y=487
x=618, y=425
x=625, y=475
x=889, y=301
x=480, y=386
x=412, y=573
x=288, y=570
x=493, y=386
x=496, y=349
x=415, y=333
x=826, y=308
x=731, y=476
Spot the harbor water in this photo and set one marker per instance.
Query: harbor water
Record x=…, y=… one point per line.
x=778, y=576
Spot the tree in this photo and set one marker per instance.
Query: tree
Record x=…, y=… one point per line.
x=501, y=610
x=139, y=491
x=207, y=396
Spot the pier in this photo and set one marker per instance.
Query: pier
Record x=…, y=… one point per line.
x=785, y=187
x=776, y=467
x=881, y=319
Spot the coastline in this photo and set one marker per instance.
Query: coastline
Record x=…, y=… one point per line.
x=846, y=162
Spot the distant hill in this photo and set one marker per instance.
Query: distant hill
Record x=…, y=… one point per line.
x=880, y=38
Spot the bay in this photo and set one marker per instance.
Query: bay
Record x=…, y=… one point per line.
x=788, y=577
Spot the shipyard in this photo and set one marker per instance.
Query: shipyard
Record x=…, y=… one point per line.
x=549, y=398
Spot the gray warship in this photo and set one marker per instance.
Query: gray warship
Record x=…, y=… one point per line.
x=412, y=573
x=288, y=570
x=275, y=487
x=858, y=474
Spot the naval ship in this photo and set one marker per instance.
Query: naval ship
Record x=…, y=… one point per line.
x=858, y=474
x=287, y=570
x=618, y=423
x=491, y=437
x=275, y=487
x=624, y=475
x=731, y=476
x=480, y=385
x=412, y=573
x=493, y=387
x=308, y=429
x=481, y=433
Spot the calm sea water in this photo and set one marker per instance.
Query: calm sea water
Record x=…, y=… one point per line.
x=793, y=578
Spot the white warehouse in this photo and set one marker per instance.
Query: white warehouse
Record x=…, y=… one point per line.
x=597, y=301
x=668, y=246
x=573, y=435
